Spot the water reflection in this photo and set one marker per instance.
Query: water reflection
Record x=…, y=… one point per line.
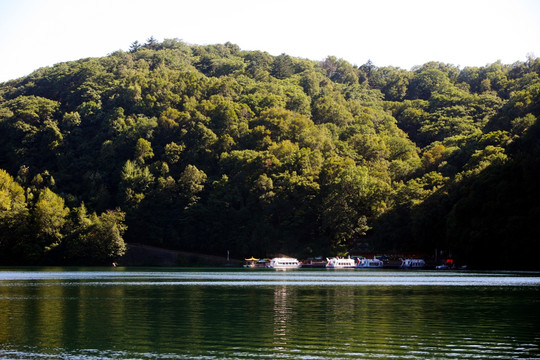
x=282, y=316
x=243, y=314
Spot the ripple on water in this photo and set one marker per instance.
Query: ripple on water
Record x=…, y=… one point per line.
x=267, y=314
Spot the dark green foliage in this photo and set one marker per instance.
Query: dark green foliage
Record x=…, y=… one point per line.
x=211, y=148
x=282, y=67
x=37, y=228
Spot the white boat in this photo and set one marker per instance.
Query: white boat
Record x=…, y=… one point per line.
x=284, y=263
x=369, y=263
x=412, y=263
x=339, y=263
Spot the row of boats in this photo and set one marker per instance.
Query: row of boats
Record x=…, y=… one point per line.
x=331, y=263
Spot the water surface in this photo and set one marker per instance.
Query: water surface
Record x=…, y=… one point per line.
x=250, y=313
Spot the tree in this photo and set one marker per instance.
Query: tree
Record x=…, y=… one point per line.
x=105, y=237
x=94, y=239
x=49, y=214
x=433, y=157
x=339, y=70
x=352, y=197
x=134, y=46
x=393, y=82
x=191, y=183
x=259, y=64
x=521, y=124
x=310, y=82
x=426, y=82
x=12, y=195
x=14, y=220
x=173, y=151
x=143, y=150
x=283, y=67
x=151, y=43
x=329, y=109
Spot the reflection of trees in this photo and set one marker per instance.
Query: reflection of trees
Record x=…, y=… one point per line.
x=60, y=315
x=322, y=322
x=341, y=303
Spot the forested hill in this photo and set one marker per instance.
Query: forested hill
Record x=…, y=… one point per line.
x=212, y=148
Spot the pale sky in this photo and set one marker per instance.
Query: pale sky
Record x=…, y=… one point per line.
x=401, y=33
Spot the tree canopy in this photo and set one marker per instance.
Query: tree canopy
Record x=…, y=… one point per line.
x=213, y=148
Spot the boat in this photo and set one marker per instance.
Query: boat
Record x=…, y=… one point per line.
x=339, y=263
x=447, y=265
x=317, y=262
x=256, y=263
x=442, y=267
x=283, y=263
x=369, y=263
x=251, y=262
x=412, y=263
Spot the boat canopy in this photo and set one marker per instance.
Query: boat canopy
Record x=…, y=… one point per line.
x=252, y=259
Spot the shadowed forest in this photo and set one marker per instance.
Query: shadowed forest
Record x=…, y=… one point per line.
x=212, y=148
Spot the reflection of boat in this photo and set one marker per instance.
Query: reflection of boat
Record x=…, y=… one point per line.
x=412, y=263
x=284, y=263
x=339, y=263
x=369, y=263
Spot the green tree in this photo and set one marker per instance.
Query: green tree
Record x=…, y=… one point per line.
x=282, y=67
x=191, y=183
x=105, y=237
x=49, y=214
x=143, y=150
x=352, y=197
x=14, y=220
x=426, y=82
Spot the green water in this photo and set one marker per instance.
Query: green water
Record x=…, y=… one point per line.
x=246, y=314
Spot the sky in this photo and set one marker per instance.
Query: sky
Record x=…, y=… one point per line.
x=401, y=33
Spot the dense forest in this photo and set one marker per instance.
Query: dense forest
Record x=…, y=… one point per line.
x=212, y=148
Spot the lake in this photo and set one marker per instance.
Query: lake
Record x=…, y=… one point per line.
x=150, y=313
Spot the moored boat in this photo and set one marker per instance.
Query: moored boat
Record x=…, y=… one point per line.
x=317, y=262
x=339, y=263
x=255, y=263
x=369, y=263
x=251, y=262
x=447, y=265
x=284, y=263
x=413, y=263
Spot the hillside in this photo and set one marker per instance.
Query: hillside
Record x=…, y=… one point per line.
x=211, y=148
